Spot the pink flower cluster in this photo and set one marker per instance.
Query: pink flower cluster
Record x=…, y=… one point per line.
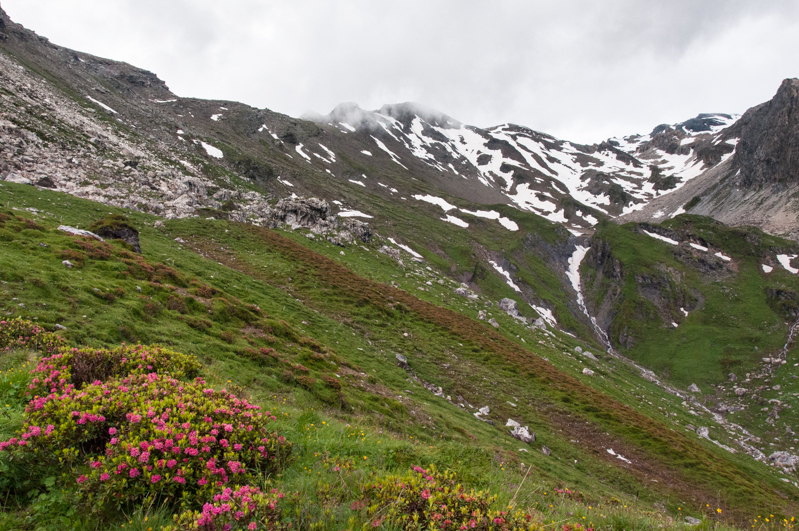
x=239, y=505
x=162, y=434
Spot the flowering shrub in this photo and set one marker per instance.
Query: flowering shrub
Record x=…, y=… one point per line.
x=151, y=434
x=243, y=508
x=429, y=499
x=18, y=333
x=77, y=367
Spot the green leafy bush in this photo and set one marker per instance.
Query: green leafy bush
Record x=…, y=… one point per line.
x=429, y=499
x=18, y=333
x=150, y=435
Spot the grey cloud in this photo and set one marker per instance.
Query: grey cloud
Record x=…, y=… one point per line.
x=577, y=69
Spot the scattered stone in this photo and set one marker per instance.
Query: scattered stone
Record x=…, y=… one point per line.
x=17, y=178
x=59, y=326
x=588, y=372
x=690, y=520
x=179, y=240
x=390, y=251
x=546, y=451
x=485, y=410
x=777, y=387
x=740, y=391
x=138, y=288
x=463, y=292
x=694, y=388
x=540, y=323
x=481, y=315
x=402, y=361
x=493, y=322
x=78, y=232
x=67, y=264
x=158, y=224
x=523, y=434
x=732, y=377
x=510, y=307
x=690, y=427
x=590, y=356
x=578, y=350
x=784, y=460
x=703, y=432
x=512, y=424
x=310, y=236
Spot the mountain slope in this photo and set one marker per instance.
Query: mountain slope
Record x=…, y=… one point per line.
x=492, y=249
x=757, y=186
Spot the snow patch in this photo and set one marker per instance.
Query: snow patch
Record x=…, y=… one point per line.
x=329, y=152
x=298, y=149
x=573, y=274
x=101, y=104
x=366, y=153
x=435, y=201
x=393, y=156
x=505, y=274
x=455, y=221
x=353, y=214
x=212, y=151
x=491, y=214
x=406, y=248
x=723, y=257
x=547, y=315
x=697, y=246
x=662, y=238
x=508, y=224
x=767, y=268
x=357, y=182
x=785, y=261
x=215, y=117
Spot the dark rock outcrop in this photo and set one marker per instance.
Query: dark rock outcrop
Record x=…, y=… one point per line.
x=117, y=227
x=768, y=151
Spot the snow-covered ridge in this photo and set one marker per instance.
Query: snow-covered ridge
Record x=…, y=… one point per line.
x=536, y=171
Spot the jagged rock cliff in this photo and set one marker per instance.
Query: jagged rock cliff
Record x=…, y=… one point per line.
x=759, y=185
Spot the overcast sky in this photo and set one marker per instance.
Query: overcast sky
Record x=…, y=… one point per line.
x=580, y=70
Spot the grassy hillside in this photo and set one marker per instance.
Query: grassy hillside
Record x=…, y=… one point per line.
x=693, y=317
x=296, y=329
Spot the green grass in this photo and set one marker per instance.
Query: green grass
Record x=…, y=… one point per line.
x=361, y=325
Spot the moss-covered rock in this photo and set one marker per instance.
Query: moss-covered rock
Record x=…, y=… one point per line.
x=117, y=227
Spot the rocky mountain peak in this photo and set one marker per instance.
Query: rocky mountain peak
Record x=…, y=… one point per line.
x=768, y=151
x=408, y=111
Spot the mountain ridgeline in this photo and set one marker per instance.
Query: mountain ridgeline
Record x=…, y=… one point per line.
x=621, y=314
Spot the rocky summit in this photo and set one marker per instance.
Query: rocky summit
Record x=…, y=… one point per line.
x=222, y=317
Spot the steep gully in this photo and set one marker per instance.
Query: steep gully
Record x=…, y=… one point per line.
x=739, y=434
